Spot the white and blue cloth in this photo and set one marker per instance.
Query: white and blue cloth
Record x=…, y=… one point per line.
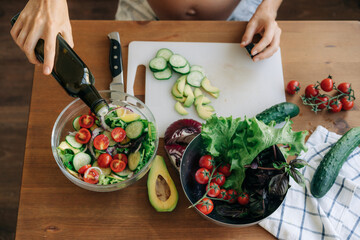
x=334, y=216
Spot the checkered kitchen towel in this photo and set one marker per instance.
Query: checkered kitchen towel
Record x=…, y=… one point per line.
x=334, y=216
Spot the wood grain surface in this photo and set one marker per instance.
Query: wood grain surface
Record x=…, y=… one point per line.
x=51, y=206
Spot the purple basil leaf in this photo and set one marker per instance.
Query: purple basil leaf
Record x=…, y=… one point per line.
x=298, y=163
x=279, y=184
x=297, y=176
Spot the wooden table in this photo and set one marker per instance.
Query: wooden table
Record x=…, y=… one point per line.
x=51, y=206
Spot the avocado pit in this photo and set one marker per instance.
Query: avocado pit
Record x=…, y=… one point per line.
x=162, y=189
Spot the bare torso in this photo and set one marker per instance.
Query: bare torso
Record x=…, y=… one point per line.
x=193, y=9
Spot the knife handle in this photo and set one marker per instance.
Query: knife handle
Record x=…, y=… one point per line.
x=115, y=58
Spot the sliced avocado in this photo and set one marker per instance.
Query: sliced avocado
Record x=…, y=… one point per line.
x=209, y=108
x=180, y=109
x=197, y=92
x=64, y=145
x=190, y=96
x=181, y=84
x=206, y=85
x=162, y=192
x=175, y=92
x=215, y=95
x=180, y=99
x=204, y=100
x=203, y=112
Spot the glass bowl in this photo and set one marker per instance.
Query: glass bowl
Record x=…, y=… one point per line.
x=63, y=126
x=194, y=191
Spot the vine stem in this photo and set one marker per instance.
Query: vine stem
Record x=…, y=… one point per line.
x=262, y=168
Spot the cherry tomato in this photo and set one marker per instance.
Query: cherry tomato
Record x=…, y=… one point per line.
x=344, y=87
x=86, y=121
x=118, y=134
x=327, y=84
x=83, y=169
x=219, y=179
x=346, y=104
x=223, y=194
x=121, y=156
x=101, y=142
x=225, y=169
x=92, y=176
x=214, y=190
x=325, y=101
x=202, y=175
x=205, y=206
x=207, y=162
x=117, y=165
x=293, y=87
x=104, y=160
x=335, y=106
x=83, y=136
x=243, y=198
x=311, y=91
x=232, y=195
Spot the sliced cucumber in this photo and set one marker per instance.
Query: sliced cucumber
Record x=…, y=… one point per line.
x=206, y=85
x=134, y=129
x=194, y=78
x=134, y=159
x=197, y=68
x=177, y=61
x=165, y=53
x=163, y=75
x=76, y=123
x=158, y=64
x=81, y=159
x=72, y=142
x=111, y=140
x=180, y=109
x=105, y=171
x=126, y=172
x=182, y=70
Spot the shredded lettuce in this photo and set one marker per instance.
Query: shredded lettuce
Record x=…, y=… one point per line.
x=238, y=142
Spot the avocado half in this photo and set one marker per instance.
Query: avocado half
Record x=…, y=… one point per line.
x=162, y=192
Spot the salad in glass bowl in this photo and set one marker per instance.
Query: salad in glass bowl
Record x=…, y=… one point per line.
x=107, y=153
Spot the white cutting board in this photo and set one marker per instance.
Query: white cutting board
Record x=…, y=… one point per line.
x=246, y=87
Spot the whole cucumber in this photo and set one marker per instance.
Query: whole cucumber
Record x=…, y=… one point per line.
x=278, y=112
x=329, y=168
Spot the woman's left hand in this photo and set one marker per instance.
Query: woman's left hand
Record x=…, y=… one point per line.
x=263, y=22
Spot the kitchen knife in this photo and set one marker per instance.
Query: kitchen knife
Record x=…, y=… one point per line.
x=115, y=60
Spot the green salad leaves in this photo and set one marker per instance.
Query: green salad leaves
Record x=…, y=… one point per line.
x=238, y=142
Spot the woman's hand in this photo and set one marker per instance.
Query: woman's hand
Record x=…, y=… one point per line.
x=263, y=22
x=42, y=19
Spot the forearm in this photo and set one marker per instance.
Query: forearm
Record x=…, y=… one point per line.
x=270, y=6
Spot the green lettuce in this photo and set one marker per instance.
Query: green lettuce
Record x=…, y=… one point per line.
x=238, y=142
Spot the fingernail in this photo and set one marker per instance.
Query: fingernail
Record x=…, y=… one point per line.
x=256, y=59
x=243, y=43
x=47, y=70
x=254, y=52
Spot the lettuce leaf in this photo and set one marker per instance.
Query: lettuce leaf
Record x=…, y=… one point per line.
x=239, y=142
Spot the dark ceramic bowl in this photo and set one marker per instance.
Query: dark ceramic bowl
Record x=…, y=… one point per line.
x=194, y=191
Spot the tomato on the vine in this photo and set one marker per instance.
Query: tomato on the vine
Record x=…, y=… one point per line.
x=218, y=178
x=346, y=103
x=205, y=206
x=202, y=175
x=311, y=91
x=293, y=87
x=83, y=136
x=335, y=106
x=327, y=84
x=104, y=160
x=344, y=87
x=225, y=169
x=324, y=100
x=243, y=198
x=223, y=194
x=207, y=162
x=86, y=121
x=214, y=189
x=233, y=195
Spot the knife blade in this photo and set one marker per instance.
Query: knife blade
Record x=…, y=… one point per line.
x=115, y=60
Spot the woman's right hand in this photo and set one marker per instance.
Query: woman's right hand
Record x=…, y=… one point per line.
x=42, y=19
